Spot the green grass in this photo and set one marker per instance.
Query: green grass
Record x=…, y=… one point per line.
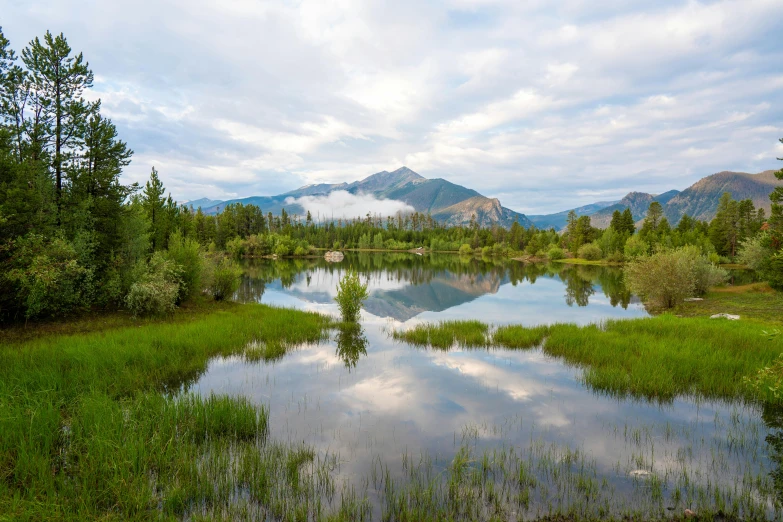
x=754, y=302
x=516, y=336
x=657, y=358
x=578, y=261
x=443, y=335
x=88, y=430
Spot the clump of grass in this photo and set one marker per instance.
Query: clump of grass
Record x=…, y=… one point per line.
x=666, y=356
x=656, y=358
x=265, y=351
x=517, y=336
x=443, y=335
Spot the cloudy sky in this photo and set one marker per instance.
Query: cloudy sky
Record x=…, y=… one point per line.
x=546, y=105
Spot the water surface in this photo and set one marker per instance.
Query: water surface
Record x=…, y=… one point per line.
x=371, y=399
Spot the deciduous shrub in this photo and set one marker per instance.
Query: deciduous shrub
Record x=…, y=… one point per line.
x=590, y=252
x=555, y=253
x=635, y=247
x=755, y=252
x=351, y=293
x=225, y=277
x=156, y=288
x=49, y=278
x=465, y=250
x=666, y=278
x=186, y=253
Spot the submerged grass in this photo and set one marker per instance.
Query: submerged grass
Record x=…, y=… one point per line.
x=659, y=357
x=444, y=335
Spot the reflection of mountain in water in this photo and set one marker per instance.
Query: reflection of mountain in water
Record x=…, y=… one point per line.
x=441, y=291
x=403, y=285
x=444, y=291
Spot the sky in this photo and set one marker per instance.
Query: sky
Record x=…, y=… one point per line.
x=544, y=105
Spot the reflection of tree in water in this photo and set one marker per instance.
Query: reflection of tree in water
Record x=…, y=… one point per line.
x=351, y=344
x=418, y=270
x=250, y=290
x=773, y=418
x=579, y=287
x=613, y=285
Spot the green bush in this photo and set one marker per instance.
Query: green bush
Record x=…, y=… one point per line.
x=282, y=250
x=156, y=288
x=465, y=250
x=755, y=252
x=590, y=252
x=300, y=252
x=49, y=278
x=351, y=293
x=186, y=253
x=635, y=247
x=615, y=257
x=666, y=278
x=225, y=276
x=773, y=271
x=555, y=253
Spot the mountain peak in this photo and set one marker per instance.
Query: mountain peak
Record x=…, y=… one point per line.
x=406, y=172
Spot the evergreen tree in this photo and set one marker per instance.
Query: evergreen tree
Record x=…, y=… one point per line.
x=58, y=81
x=629, y=225
x=154, y=206
x=775, y=222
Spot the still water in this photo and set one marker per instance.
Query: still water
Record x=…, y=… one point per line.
x=383, y=401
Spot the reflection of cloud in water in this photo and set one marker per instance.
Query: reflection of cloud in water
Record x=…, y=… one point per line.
x=401, y=399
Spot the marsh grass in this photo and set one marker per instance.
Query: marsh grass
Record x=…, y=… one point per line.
x=516, y=336
x=656, y=358
x=90, y=430
x=663, y=470
x=444, y=335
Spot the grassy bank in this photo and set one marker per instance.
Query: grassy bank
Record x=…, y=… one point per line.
x=755, y=302
x=657, y=358
x=88, y=430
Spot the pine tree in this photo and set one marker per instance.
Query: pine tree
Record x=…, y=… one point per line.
x=628, y=221
x=154, y=204
x=58, y=81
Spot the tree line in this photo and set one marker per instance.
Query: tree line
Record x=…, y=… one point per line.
x=72, y=235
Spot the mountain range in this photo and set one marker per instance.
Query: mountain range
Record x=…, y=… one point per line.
x=700, y=200
x=447, y=202
x=453, y=204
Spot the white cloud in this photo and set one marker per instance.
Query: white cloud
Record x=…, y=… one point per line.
x=343, y=204
x=519, y=99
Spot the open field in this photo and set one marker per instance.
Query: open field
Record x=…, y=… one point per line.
x=755, y=302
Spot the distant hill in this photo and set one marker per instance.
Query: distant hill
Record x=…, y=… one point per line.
x=560, y=219
x=202, y=203
x=447, y=202
x=699, y=201
x=638, y=202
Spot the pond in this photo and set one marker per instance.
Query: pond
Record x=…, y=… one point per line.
x=394, y=416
